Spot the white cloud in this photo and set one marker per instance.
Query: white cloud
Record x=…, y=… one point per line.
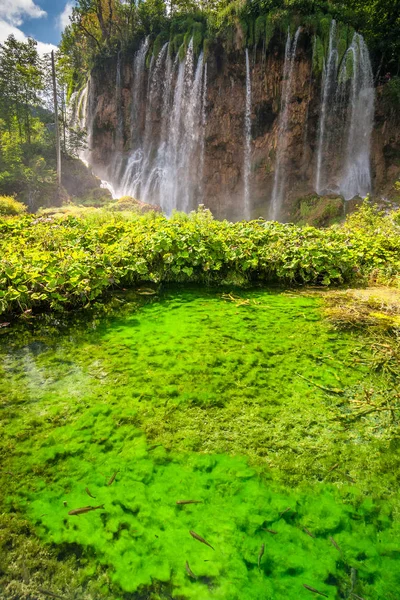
x=7, y=29
x=13, y=13
x=16, y=11
x=63, y=19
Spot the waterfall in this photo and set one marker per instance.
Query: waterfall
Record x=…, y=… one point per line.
x=154, y=89
x=247, y=142
x=166, y=160
x=76, y=115
x=193, y=130
x=183, y=146
x=160, y=158
x=203, y=132
x=139, y=64
x=119, y=131
x=283, y=125
x=80, y=119
x=346, y=121
x=329, y=77
x=356, y=178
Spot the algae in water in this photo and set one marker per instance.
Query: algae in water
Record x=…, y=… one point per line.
x=195, y=396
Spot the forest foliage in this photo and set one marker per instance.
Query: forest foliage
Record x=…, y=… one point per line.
x=70, y=261
x=99, y=27
x=27, y=127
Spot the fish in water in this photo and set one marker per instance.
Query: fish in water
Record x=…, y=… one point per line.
x=269, y=530
x=88, y=493
x=189, y=571
x=189, y=501
x=261, y=554
x=332, y=541
x=84, y=509
x=198, y=537
x=48, y=593
x=334, y=467
x=311, y=589
x=113, y=476
x=353, y=578
x=308, y=532
x=146, y=292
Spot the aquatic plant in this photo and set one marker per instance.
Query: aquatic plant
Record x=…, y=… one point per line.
x=189, y=398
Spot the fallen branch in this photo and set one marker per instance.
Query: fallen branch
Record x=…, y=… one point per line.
x=337, y=391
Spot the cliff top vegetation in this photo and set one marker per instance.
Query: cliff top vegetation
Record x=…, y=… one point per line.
x=99, y=28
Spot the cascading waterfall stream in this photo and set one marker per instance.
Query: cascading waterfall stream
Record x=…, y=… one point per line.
x=119, y=133
x=203, y=129
x=166, y=162
x=161, y=158
x=283, y=125
x=81, y=118
x=193, y=134
x=170, y=163
x=346, y=121
x=247, y=140
x=329, y=76
x=356, y=179
x=144, y=183
x=139, y=64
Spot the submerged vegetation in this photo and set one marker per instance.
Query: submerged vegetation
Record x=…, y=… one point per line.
x=70, y=261
x=222, y=415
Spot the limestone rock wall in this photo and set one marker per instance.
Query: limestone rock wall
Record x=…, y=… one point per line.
x=224, y=135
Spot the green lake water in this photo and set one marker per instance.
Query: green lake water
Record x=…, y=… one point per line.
x=244, y=404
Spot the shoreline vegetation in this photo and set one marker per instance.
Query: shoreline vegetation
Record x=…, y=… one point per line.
x=62, y=262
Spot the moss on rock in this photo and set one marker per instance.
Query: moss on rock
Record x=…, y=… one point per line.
x=318, y=211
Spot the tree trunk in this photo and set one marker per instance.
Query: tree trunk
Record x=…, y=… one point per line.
x=57, y=131
x=100, y=18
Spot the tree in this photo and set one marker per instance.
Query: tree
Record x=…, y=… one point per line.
x=21, y=81
x=97, y=19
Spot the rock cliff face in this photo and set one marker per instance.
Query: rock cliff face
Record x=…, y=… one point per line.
x=113, y=122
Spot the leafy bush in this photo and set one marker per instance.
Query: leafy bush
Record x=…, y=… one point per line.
x=391, y=92
x=68, y=261
x=129, y=204
x=96, y=197
x=10, y=206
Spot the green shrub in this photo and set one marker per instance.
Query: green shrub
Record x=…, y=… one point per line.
x=10, y=206
x=125, y=203
x=69, y=261
x=392, y=92
x=96, y=197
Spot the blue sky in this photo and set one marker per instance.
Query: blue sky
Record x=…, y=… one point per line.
x=43, y=20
